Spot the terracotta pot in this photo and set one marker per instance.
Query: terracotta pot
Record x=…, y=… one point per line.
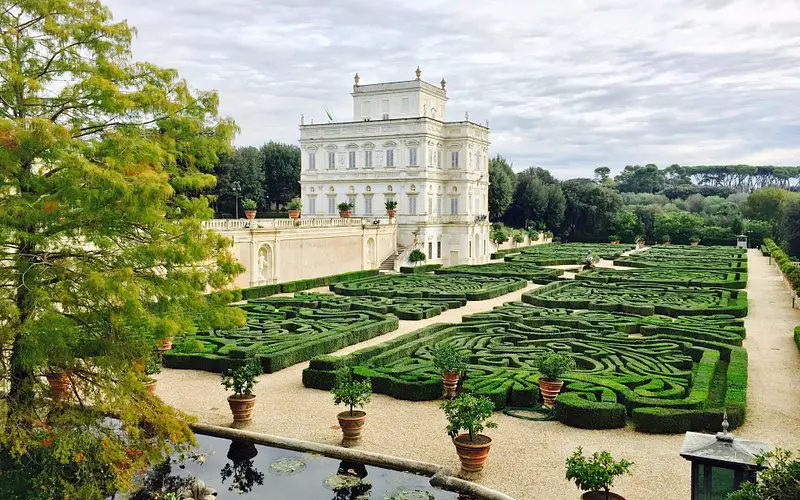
x=641, y=244
x=345, y=214
x=352, y=426
x=294, y=214
x=473, y=455
x=695, y=243
x=615, y=242
x=250, y=214
x=450, y=382
x=150, y=385
x=60, y=386
x=601, y=495
x=550, y=387
x=164, y=344
x=667, y=242
x=391, y=213
x=242, y=407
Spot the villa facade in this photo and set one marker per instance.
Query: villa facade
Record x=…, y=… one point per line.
x=399, y=146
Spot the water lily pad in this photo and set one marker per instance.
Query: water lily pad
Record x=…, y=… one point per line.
x=339, y=482
x=411, y=495
x=287, y=466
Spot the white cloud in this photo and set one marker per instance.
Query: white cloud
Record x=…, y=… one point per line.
x=566, y=85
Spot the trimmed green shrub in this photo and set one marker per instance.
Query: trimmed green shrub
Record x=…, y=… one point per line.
x=257, y=292
x=671, y=276
x=433, y=286
x=797, y=336
x=789, y=270
x=425, y=268
x=528, y=271
x=574, y=410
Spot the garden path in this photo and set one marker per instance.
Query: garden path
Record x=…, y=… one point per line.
x=527, y=458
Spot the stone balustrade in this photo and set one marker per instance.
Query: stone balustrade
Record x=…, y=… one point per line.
x=311, y=222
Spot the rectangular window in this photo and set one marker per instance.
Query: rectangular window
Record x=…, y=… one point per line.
x=368, y=159
x=331, y=160
x=390, y=157
x=412, y=157
x=454, y=159
x=312, y=161
x=439, y=205
x=351, y=160
x=368, y=205
x=412, y=205
x=351, y=199
x=430, y=249
x=439, y=249
x=331, y=205
x=453, y=206
x=438, y=158
x=312, y=205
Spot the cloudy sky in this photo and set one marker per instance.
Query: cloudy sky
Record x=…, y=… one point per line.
x=565, y=84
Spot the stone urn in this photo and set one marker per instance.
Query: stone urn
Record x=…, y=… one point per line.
x=550, y=387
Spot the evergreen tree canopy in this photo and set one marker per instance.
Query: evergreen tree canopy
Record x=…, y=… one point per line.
x=502, y=182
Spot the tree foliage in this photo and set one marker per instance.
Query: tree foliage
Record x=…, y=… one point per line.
x=243, y=170
x=679, y=226
x=102, y=170
x=589, y=210
x=638, y=179
x=538, y=200
x=502, y=182
x=281, y=171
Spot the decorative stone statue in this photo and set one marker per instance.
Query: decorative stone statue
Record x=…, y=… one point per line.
x=198, y=491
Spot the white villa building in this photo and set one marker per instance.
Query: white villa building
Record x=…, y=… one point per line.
x=399, y=146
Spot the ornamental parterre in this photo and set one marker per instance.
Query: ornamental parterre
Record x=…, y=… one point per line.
x=672, y=276
x=524, y=270
x=469, y=287
x=659, y=372
x=568, y=253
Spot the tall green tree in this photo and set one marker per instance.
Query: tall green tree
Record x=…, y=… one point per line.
x=638, y=179
x=538, y=200
x=281, y=172
x=765, y=204
x=101, y=247
x=602, y=175
x=502, y=183
x=239, y=175
x=789, y=224
x=589, y=210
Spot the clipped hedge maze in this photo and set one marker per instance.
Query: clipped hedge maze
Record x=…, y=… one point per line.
x=555, y=254
x=460, y=286
x=665, y=375
x=644, y=299
x=675, y=276
x=683, y=260
x=524, y=270
x=279, y=335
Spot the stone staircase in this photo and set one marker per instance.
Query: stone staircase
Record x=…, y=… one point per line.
x=387, y=266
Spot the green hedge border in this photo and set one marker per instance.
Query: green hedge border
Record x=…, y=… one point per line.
x=797, y=336
x=789, y=270
x=425, y=268
x=258, y=292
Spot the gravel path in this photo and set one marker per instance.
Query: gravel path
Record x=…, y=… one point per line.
x=527, y=458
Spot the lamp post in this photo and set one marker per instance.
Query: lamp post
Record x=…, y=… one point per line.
x=236, y=188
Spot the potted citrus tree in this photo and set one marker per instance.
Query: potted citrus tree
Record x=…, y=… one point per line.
x=345, y=209
x=640, y=242
x=614, y=239
x=164, y=344
x=294, y=207
x=451, y=362
x=249, y=207
x=354, y=394
x=694, y=240
x=241, y=381
x=416, y=256
x=151, y=367
x=391, y=208
x=595, y=475
x=666, y=239
x=471, y=414
x=552, y=366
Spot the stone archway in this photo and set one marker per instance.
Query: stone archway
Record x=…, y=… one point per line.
x=372, y=256
x=265, y=266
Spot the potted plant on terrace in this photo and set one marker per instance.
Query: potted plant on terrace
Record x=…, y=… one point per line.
x=519, y=237
x=595, y=475
x=345, y=209
x=470, y=413
x=640, y=242
x=552, y=366
x=151, y=367
x=241, y=381
x=355, y=394
x=249, y=207
x=614, y=239
x=694, y=240
x=294, y=207
x=391, y=208
x=666, y=239
x=548, y=235
x=451, y=362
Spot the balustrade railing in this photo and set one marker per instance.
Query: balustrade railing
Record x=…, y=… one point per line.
x=315, y=222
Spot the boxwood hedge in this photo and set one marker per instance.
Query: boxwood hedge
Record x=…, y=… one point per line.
x=672, y=276
x=525, y=270
x=468, y=287
x=306, y=284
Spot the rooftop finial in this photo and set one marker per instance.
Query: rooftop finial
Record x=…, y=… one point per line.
x=724, y=435
x=444, y=83
x=302, y=120
x=356, y=79
x=418, y=72
x=466, y=116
